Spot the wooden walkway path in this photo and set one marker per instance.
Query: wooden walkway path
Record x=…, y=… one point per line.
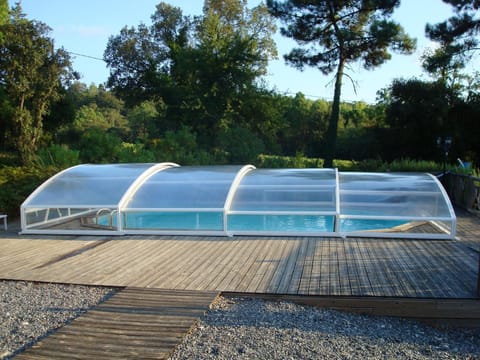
x=133, y=324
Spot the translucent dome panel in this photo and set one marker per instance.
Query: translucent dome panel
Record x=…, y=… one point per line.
x=392, y=194
x=238, y=200
x=287, y=190
x=186, y=187
x=88, y=185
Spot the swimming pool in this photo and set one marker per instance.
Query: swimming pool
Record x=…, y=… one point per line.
x=213, y=221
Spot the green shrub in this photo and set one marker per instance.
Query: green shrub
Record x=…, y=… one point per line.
x=98, y=146
x=409, y=165
x=17, y=183
x=9, y=159
x=346, y=165
x=181, y=147
x=278, y=162
x=134, y=153
x=241, y=145
x=59, y=156
x=299, y=161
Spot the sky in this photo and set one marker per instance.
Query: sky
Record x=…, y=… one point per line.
x=84, y=27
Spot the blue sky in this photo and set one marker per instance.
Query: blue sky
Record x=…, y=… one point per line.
x=84, y=27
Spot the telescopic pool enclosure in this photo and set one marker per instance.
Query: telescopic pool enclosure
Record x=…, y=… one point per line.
x=168, y=199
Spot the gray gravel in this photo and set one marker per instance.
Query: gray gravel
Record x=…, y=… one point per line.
x=255, y=329
x=30, y=311
x=241, y=328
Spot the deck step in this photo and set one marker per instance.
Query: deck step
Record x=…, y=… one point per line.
x=456, y=313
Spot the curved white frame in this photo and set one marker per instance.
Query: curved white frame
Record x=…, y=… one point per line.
x=118, y=209
x=231, y=193
x=136, y=185
x=111, y=207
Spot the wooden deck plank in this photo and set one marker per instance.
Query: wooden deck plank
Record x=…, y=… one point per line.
x=306, y=278
x=439, y=263
x=334, y=280
x=463, y=266
x=136, y=269
x=274, y=264
x=345, y=267
x=246, y=267
x=227, y=266
x=316, y=274
x=361, y=282
x=289, y=266
x=205, y=264
x=376, y=270
x=162, y=269
x=425, y=267
x=368, y=278
x=155, y=266
x=196, y=263
x=404, y=270
x=259, y=266
x=354, y=266
x=295, y=280
x=167, y=275
x=387, y=250
x=215, y=264
x=324, y=284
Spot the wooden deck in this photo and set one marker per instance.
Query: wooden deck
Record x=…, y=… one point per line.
x=174, y=279
x=297, y=266
x=134, y=324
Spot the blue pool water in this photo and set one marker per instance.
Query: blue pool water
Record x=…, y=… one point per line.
x=273, y=223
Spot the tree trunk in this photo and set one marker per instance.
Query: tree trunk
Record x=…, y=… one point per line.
x=331, y=140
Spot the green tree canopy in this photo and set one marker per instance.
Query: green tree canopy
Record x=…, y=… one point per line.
x=3, y=15
x=460, y=29
x=457, y=37
x=201, y=68
x=142, y=59
x=31, y=72
x=335, y=33
x=233, y=45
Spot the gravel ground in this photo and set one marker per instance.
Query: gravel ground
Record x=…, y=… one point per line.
x=255, y=329
x=241, y=328
x=30, y=311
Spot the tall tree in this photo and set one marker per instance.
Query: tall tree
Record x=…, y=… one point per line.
x=458, y=33
x=233, y=46
x=141, y=59
x=3, y=15
x=457, y=37
x=31, y=71
x=335, y=33
x=200, y=68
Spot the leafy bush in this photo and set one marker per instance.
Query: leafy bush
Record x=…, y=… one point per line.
x=241, y=145
x=59, y=156
x=134, y=153
x=409, y=165
x=299, y=161
x=98, y=146
x=9, y=159
x=16, y=183
x=181, y=147
x=278, y=162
